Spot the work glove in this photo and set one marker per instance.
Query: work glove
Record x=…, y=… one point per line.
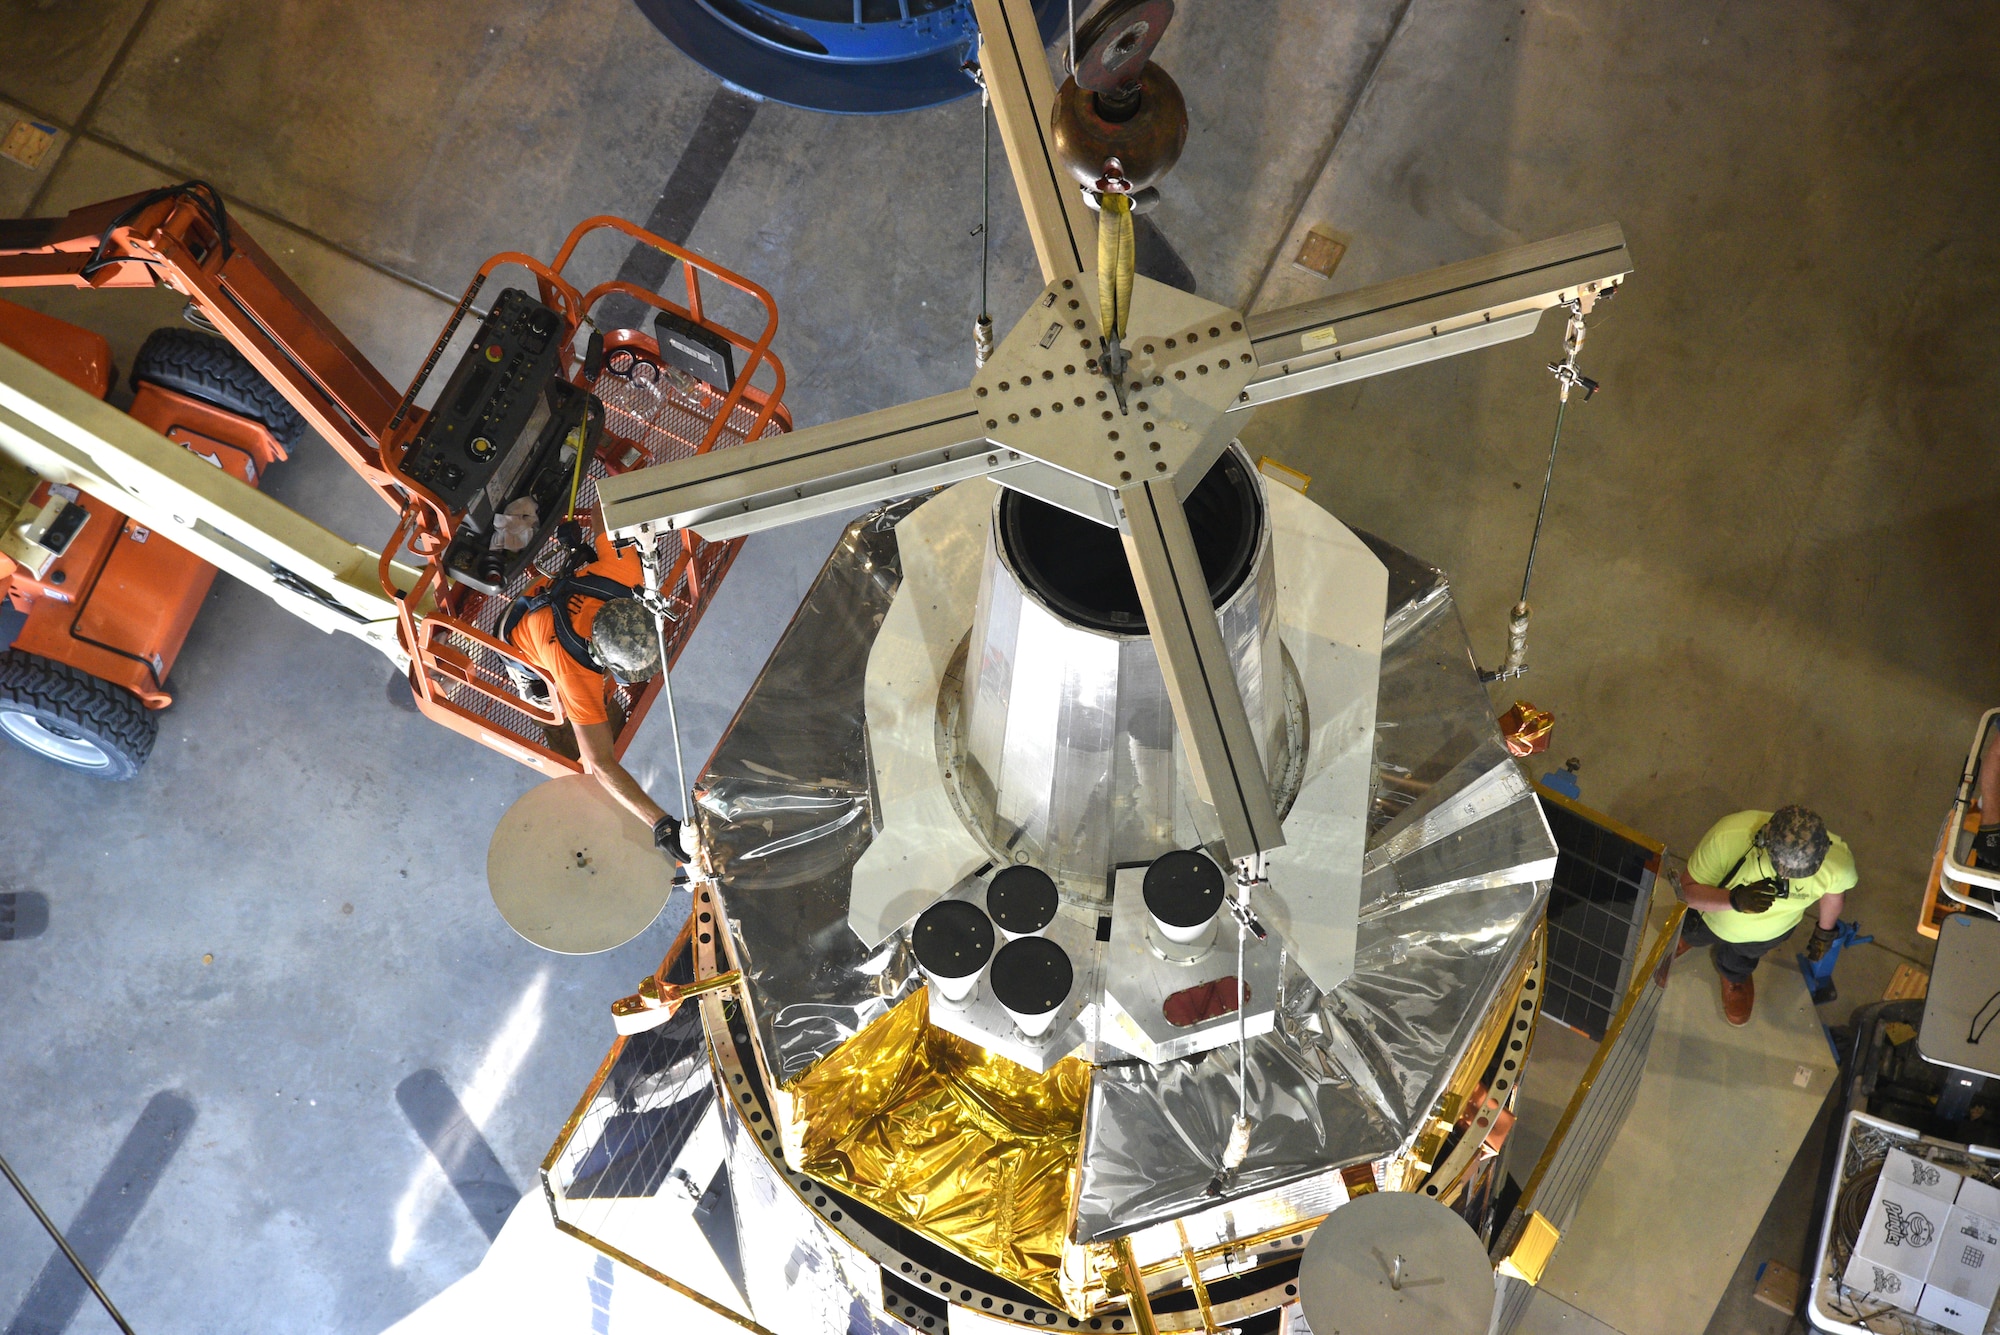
x=667, y=838
x=1756, y=897
x=576, y=541
x=1822, y=938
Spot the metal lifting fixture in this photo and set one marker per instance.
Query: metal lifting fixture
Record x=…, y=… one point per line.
x=1040, y=418
x=1567, y=378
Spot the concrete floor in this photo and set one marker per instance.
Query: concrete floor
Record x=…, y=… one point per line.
x=1761, y=579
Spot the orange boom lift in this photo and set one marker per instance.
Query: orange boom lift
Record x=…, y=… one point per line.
x=552, y=390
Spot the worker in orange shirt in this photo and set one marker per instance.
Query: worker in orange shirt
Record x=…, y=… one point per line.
x=577, y=629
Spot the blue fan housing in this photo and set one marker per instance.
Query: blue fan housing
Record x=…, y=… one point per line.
x=848, y=56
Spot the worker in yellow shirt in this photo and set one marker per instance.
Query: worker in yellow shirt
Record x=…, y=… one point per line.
x=1749, y=881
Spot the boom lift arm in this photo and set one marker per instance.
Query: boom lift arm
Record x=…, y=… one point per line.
x=66, y=436
x=181, y=237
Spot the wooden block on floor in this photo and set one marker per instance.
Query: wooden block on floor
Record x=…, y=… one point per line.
x=1910, y=983
x=1778, y=1286
x=1321, y=251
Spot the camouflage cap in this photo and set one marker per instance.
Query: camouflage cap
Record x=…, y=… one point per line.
x=1797, y=841
x=625, y=640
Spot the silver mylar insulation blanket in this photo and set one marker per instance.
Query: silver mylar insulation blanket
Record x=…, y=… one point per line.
x=1455, y=880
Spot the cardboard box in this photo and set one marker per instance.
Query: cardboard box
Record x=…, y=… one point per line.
x=1921, y=1176
x=1967, y=1264
x=1930, y=1244
x=1902, y=1229
x=1980, y=1197
x=1880, y=1283
x=1952, y=1312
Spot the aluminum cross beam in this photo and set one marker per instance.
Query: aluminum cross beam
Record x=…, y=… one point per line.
x=1016, y=71
x=936, y=441
x=785, y=478
x=1194, y=662
x=1406, y=321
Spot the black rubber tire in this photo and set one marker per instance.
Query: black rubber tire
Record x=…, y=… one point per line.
x=71, y=703
x=203, y=366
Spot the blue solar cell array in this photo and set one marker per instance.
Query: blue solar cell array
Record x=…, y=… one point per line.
x=1597, y=915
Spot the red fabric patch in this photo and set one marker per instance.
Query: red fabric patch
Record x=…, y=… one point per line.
x=1190, y=1006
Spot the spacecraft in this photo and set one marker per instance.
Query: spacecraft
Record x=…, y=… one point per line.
x=1117, y=867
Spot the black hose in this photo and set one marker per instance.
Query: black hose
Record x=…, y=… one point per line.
x=67, y=1250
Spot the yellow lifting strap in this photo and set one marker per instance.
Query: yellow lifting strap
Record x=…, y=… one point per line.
x=577, y=436
x=1114, y=264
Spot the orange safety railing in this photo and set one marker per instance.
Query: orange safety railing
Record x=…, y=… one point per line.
x=652, y=416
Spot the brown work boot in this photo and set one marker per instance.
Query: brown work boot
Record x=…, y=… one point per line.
x=1737, y=999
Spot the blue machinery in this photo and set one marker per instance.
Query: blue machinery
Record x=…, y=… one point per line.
x=851, y=56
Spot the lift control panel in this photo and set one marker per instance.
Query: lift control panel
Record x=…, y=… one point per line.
x=493, y=401
x=500, y=445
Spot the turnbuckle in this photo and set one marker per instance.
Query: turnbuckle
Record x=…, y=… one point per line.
x=1565, y=372
x=1250, y=872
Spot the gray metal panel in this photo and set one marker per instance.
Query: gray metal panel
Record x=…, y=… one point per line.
x=1428, y=315
x=921, y=846
x=794, y=476
x=1961, y=995
x=1347, y=1077
x=1332, y=598
x=785, y=813
x=1350, y=1073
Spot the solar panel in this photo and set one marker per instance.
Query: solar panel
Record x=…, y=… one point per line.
x=1597, y=912
x=659, y=1092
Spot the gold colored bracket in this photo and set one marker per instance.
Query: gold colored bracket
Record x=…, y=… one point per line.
x=655, y=1002
x=1517, y=1023
x=1195, y=1281
x=1135, y=1288
x=1530, y=1257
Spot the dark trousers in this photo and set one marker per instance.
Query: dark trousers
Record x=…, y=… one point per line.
x=1734, y=960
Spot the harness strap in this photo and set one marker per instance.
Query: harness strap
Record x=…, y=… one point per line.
x=1756, y=843
x=601, y=587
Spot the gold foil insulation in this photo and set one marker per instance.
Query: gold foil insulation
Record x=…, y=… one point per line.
x=1526, y=729
x=971, y=1150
